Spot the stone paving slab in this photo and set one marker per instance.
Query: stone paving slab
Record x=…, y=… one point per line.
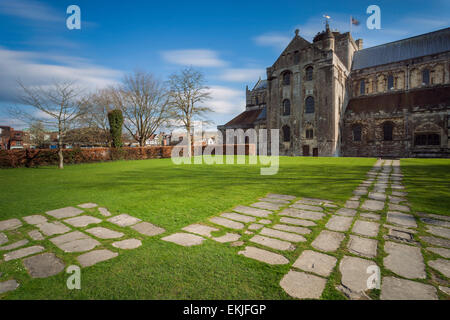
x=366, y=228
x=282, y=235
x=377, y=196
x=354, y=273
x=346, y=212
x=261, y=213
x=396, y=200
x=400, y=289
x=445, y=290
x=438, y=231
x=404, y=260
x=88, y=205
x=280, y=201
x=3, y=238
x=440, y=251
x=124, y=220
x=370, y=216
x=302, y=214
x=35, y=219
x=363, y=246
x=328, y=241
x=350, y=204
x=280, y=196
x=200, y=229
x=82, y=221
x=372, y=205
x=255, y=226
x=24, y=252
x=267, y=205
x=299, y=230
x=263, y=256
x=127, y=244
x=298, y=222
x=228, y=237
x=53, y=228
x=399, y=193
x=306, y=207
x=184, y=239
x=104, y=212
x=360, y=191
x=441, y=265
x=43, y=265
x=273, y=243
x=315, y=262
x=75, y=241
x=264, y=221
x=104, y=233
x=303, y=285
x=398, y=207
x=67, y=212
x=148, y=229
x=238, y=217
x=36, y=235
x=400, y=235
x=9, y=285
x=338, y=223
x=227, y=223
x=90, y=258
x=436, y=216
x=402, y=219
x=440, y=223
x=14, y=245
x=436, y=241
x=323, y=201
x=10, y=224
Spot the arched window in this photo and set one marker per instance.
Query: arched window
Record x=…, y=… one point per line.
x=390, y=82
x=287, y=78
x=388, y=129
x=286, y=133
x=356, y=132
x=309, y=134
x=426, y=77
x=309, y=73
x=362, y=87
x=430, y=139
x=296, y=57
x=309, y=105
x=286, y=107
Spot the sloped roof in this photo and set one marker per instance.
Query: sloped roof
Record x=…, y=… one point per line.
x=244, y=120
x=261, y=84
x=422, y=45
x=396, y=101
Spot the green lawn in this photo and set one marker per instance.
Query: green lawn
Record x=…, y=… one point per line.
x=173, y=197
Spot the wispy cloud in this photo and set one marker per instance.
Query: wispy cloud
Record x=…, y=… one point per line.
x=193, y=57
x=241, y=75
x=31, y=69
x=275, y=40
x=226, y=100
x=31, y=10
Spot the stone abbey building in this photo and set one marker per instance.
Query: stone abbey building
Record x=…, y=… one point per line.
x=331, y=97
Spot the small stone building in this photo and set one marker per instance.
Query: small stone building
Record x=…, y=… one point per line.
x=331, y=97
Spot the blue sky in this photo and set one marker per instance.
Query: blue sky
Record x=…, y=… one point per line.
x=232, y=42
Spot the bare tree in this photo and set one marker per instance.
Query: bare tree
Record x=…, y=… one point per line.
x=187, y=94
x=37, y=133
x=144, y=103
x=58, y=106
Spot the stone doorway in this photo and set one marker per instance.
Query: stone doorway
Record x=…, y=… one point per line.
x=306, y=151
x=315, y=152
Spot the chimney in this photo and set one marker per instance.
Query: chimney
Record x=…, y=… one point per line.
x=359, y=44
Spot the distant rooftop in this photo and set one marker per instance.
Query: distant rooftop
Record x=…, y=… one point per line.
x=414, y=47
x=261, y=84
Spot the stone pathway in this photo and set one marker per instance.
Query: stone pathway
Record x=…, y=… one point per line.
x=70, y=231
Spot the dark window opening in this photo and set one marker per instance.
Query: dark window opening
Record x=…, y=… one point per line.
x=286, y=107
x=309, y=73
x=390, y=82
x=388, y=128
x=286, y=134
x=362, y=87
x=426, y=77
x=430, y=139
x=309, y=134
x=357, y=133
x=296, y=57
x=287, y=79
x=309, y=105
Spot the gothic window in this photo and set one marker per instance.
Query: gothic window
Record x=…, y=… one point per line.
x=357, y=133
x=309, y=105
x=426, y=77
x=430, y=139
x=388, y=129
x=256, y=100
x=390, y=82
x=309, y=73
x=296, y=57
x=309, y=134
x=286, y=78
x=362, y=87
x=286, y=107
x=286, y=133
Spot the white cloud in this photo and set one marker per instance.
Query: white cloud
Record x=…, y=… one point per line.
x=194, y=57
x=276, y=40
x=31, y=10
x=226, y=100
x=242, y=75
x=29, y=68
